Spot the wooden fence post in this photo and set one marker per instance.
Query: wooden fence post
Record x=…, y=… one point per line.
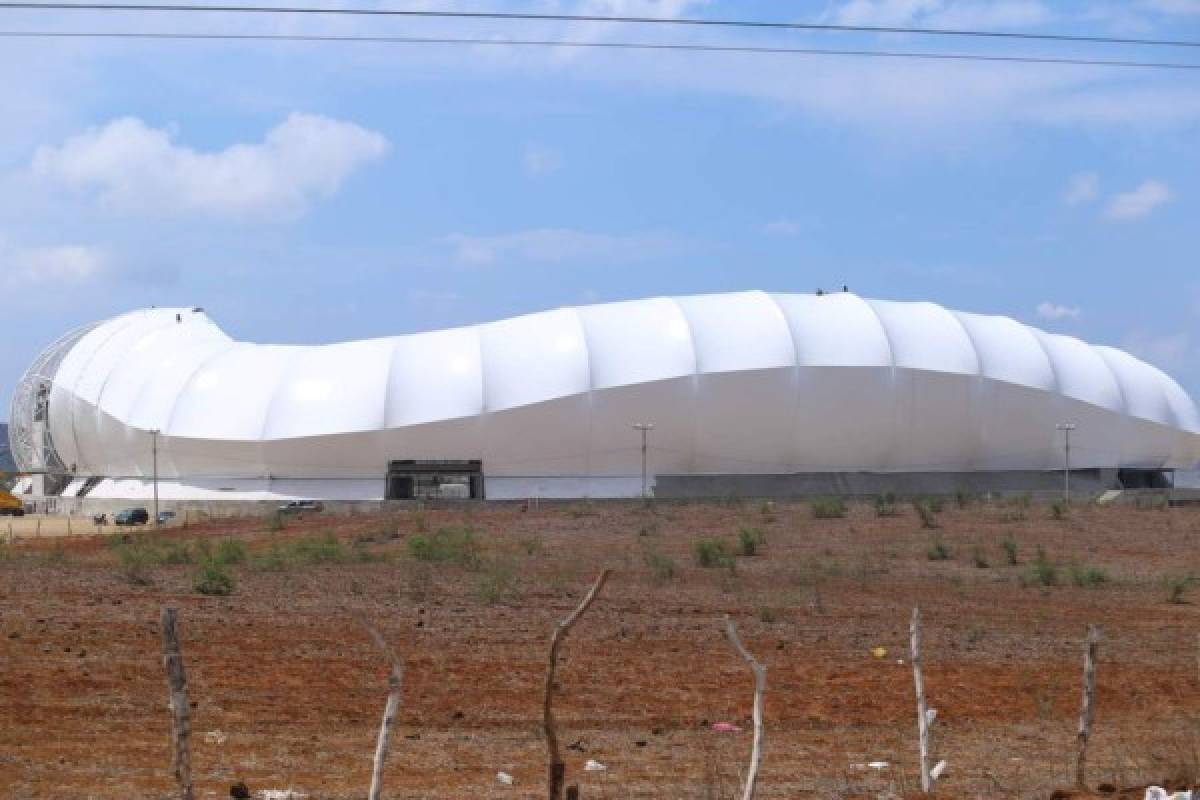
x=557, y=769
x=925, y=715
x=390, y=709
x=760, y=686
x=1087, y=711
x=181, y=725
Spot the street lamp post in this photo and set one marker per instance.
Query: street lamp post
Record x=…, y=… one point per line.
x=154, y=455
x=645, y=428
x=1066, y=428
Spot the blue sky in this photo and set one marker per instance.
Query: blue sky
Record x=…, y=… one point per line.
x=307, y=192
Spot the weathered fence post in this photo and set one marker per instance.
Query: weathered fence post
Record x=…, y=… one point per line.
x=1087, y=711
x=557, y=769
x=181, y=725
x=760, y=686
x=925, y=715
x=390, y=709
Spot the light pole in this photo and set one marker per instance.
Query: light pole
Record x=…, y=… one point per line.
x=154, y=455
x=645, y=428
x=1066, y=428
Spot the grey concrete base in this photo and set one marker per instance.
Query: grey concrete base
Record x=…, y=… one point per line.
x=1084, y=483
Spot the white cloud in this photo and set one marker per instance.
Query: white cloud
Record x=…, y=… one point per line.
x=556, y=245
x=1083, y=187
x=1055, y=311
x=55, y=267
x=542, y=160
x=1139, y=202
x=132, y=166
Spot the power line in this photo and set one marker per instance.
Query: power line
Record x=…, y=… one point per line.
x=512, y=16
x=702, y=48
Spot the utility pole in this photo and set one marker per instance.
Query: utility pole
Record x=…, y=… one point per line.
x=645, y=428
x=154, y=455
x=1066, y=428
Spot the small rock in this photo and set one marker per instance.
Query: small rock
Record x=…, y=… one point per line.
x=504, y=778
x=594, y=766
x=240, y=791
x=640, y=743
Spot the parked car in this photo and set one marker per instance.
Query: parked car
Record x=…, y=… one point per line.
x=132, y=516
x=165, y=516
x=299, y=506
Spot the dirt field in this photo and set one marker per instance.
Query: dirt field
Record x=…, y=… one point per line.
x=288, y=690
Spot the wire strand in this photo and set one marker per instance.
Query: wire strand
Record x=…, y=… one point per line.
x=512, y=16
x=658, y=46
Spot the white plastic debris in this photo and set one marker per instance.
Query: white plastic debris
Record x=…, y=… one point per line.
x=214, y=737
x=593, y=765
x=504, y=778
x=279, y=794
x=878, y=764
x=938, y=769
x=1159, y=793
x=930, y=715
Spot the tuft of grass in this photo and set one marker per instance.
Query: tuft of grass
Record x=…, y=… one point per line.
x=276, y=522
x=937, y=550
x=321, y=548
x=1010, y=551
x=213, y=577
x=1059, y=510
x=828, y=508
x=936, y=503
x=531, y=545
x=750, y=540
x=962, y=499
x=711, y=553
x=136, y=554
x=766, y=615
x=1043, y=571
x=230, y=551
x=451, y=544
x=1087, y=577
x=497, y=582
x=662, y=567
x=648, y=528
x=1177, y=587
x=925, y=512
x=885, y=505
x=979, y=558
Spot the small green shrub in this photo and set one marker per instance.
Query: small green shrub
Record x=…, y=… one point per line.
x=828, y=508
x=937, y=503
x=648, y=529
x=1043, y=571
x=712, y=553
x=928, y=520
x=885, y=505
x=135, y=556
x=1177, y=587
x=979, y=558
x=937, y=550
x=276, y=522
x=1059, y=510
x=531, y=545
x=456, y=545
x=498, y=581
x=1010, y=551
x=230, y=551
x=1087, y=577
x=750, y=540
x=766, y=615
x=213, y=578
x=1154, y=502
x=962, y=499
x=662, y=566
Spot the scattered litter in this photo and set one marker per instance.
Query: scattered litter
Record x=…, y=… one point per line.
x=879, y=652
x=725, y=727
x=878, y=764
x=900, y=661
x=937, y=770
x=279, y=794
x=1159, y=793
x=593, y=765
x=504, y=778
x=214, y=737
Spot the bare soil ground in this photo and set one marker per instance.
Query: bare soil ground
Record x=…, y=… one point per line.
x=288, y=689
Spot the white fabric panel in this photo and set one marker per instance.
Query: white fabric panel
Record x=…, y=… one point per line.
x=533, y=358
x=835, y=330
x=1016, y=427
x=1187, y=417
x=742, y=419
x=744, y=330
x=241, y=382
x=636, y=342
x=1008, y=351
x=613, y=444
x=152, y=408
x=1081, y=372
x=845, y=418
x=548, y=438
x=434, y=376
x=935, y=422
x=329, y=390
x=926, y=336
x=1140, y=385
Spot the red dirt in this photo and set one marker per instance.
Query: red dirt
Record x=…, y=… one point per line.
x=281, y=669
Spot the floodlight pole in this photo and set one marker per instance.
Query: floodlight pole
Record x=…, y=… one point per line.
x=1066, y=428
x=154, y=455
x=645, y=428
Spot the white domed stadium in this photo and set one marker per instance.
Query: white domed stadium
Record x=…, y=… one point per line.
x=735, y=385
